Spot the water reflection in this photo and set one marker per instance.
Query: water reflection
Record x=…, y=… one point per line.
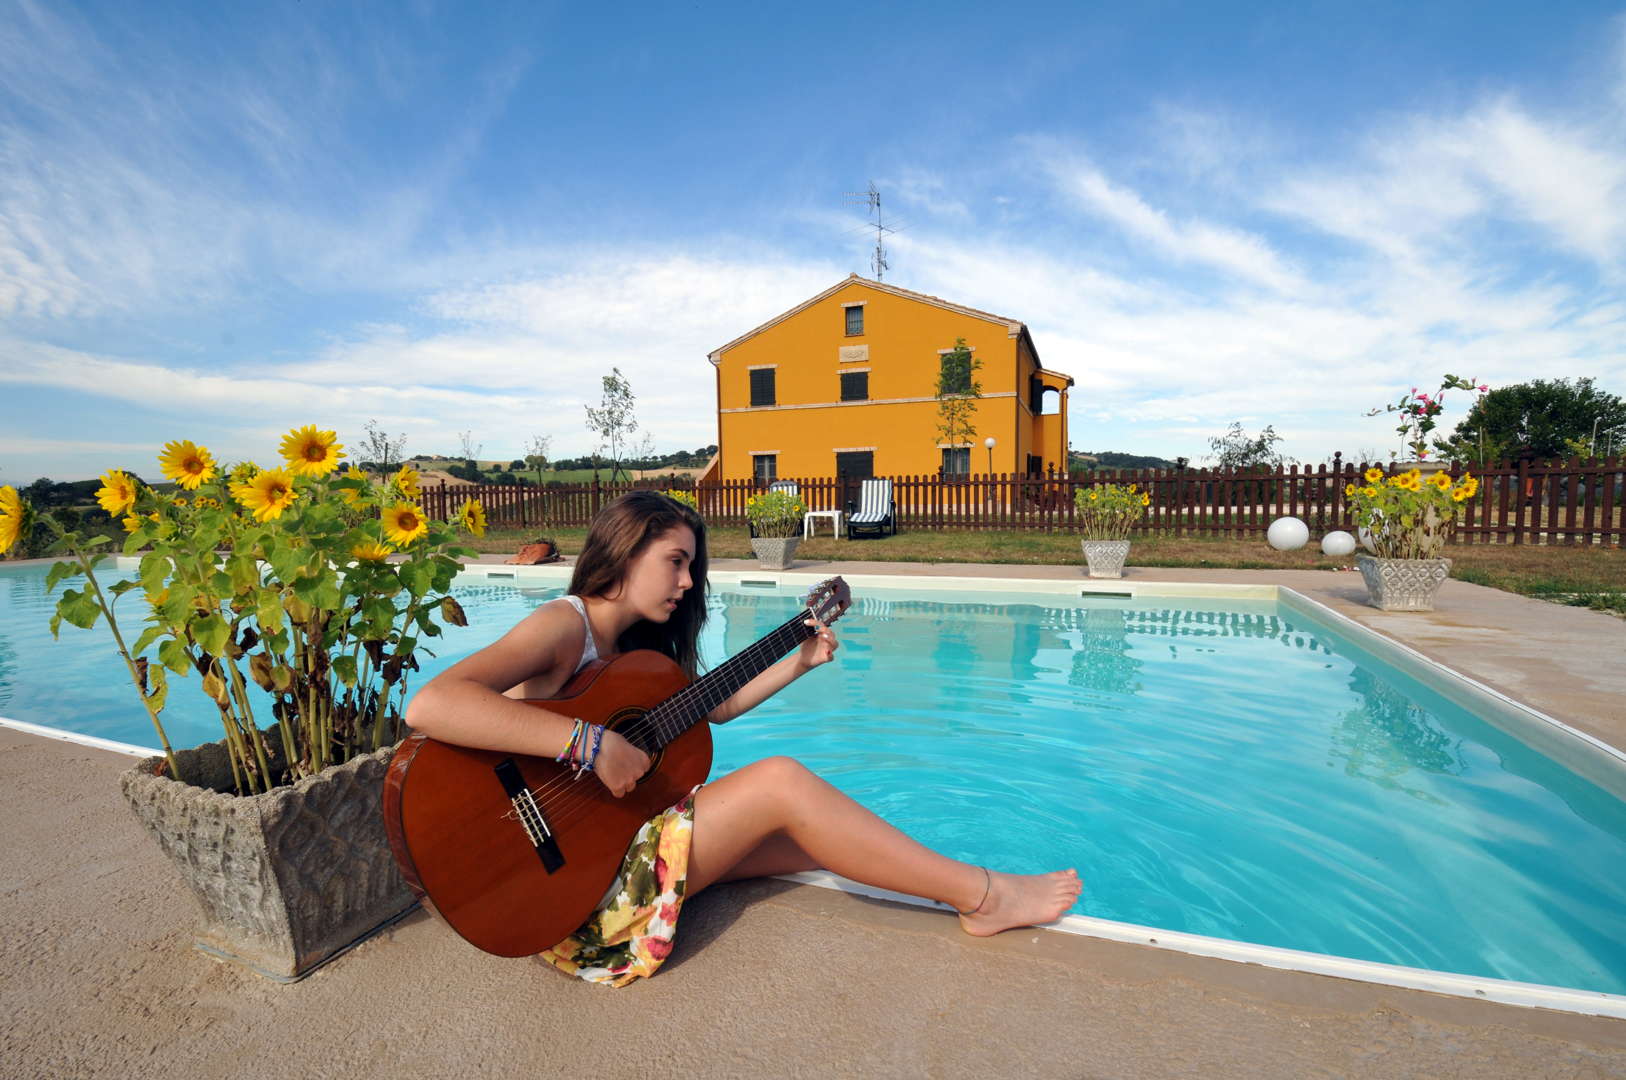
x=1390, y=736
x=1102, y=660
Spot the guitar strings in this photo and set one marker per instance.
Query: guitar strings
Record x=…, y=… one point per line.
x=706, y=689
x=579, y=800
x=711, y=692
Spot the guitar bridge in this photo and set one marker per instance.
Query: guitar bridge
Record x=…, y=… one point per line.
x=530, y=815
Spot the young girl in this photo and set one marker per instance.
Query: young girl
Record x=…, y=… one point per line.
x=634, y=588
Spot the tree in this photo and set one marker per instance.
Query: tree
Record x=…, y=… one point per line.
x=536, y=453
x=612, y=421
x=1543, y=419
x=1236, y=450
x=379, y=451
x=471, y=449
x=958, y=392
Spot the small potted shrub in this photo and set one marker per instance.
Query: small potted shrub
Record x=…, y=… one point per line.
x=1106, y=513
x=776, y=526
x=317, y=588
x=1408, y=520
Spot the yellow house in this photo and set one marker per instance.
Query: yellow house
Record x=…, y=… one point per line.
x=845, y=385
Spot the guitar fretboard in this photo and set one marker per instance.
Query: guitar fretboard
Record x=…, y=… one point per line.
x=679, y=712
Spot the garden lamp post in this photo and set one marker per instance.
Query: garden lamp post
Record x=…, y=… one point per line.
x=989, y=443
x=1592, y=447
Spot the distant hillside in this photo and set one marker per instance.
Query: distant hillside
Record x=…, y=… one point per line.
x=1089, y=461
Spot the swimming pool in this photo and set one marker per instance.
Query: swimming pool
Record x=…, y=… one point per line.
x=1228, y=769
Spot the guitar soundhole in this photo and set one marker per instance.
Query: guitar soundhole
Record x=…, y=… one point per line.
x=640, y=737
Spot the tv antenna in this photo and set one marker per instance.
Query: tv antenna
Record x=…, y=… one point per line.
x=872, y=199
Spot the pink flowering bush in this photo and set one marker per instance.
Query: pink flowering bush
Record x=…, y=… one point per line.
x=1417, y=412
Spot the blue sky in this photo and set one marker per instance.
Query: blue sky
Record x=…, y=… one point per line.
x=221, y=221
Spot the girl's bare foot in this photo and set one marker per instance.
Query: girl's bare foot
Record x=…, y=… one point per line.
x=1022, y=900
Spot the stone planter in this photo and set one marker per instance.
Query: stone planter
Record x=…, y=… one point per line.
x=286, y=880
x=1402, y=584
x=775, y=552
x=1105, y=558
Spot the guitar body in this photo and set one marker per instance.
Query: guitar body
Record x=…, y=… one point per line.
x=457, y=832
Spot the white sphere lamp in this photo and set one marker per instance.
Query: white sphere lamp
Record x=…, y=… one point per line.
x=1338, y=543
x=1287, y=534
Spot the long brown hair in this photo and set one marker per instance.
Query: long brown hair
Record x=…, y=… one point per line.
x=620, y=532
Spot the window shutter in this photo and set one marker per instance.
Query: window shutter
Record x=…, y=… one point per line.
x=855, y=386
x=762, y=388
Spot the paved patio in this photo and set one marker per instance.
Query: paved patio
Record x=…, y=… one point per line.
x=768, y=978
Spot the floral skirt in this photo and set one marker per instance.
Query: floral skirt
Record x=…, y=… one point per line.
x=631, y=932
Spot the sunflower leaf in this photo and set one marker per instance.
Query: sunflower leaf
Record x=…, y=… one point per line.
x=210, y=633
x=172, y=654
x=59, y=571
x=148, y=636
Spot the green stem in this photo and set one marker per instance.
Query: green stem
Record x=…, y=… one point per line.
x=118, y=639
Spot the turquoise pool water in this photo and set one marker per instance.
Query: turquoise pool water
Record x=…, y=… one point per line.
x=1221, y=769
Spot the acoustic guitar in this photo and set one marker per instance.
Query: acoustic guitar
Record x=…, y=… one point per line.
x=515, y=851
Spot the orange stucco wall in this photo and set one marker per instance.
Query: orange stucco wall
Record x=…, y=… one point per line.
x=809, y=423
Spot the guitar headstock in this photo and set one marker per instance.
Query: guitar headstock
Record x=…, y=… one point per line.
x=829, y=599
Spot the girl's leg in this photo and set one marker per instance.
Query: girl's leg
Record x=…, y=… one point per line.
x=775, y=816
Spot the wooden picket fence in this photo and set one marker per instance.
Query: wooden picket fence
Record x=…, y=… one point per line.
x=1581, y=501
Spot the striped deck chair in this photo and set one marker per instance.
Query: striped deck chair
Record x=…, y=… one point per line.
x=789, y=487
x=876, y=510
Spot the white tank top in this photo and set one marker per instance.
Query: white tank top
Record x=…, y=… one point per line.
x=589, y=647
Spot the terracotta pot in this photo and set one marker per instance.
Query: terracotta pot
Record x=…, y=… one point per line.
x=286, y=880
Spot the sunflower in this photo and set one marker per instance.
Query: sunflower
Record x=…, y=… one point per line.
x=244, y=471
x=354, y=497
x=1373, y=475
x=404, y=523
x=1349, y=489
x=1440, y=480
x=371, y=551
x=186, y=464
x=180, y=501
x=473, y=517
x=117, y=493
x=268, y=494
x=131, y=523
x=1145, y=500
x=11, y=517
x=405, y=481
x=1370, y=492
x=310, y=452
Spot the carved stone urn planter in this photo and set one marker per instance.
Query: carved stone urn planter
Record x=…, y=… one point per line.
x=776, y=552
x=1403, y=584
x=287, y=879
x=1106, y=558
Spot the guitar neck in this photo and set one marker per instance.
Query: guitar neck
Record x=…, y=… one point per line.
x=683, y=709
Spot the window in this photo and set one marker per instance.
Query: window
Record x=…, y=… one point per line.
x=762, y=390
x=855, y=386
x=956, y=375
x=956, y=461
x=765, y=466
x=855, y=320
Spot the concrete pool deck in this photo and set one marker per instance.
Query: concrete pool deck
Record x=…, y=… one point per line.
x=768, y=978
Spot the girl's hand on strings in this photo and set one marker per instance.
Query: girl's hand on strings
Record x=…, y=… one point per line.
x=818, y=649
x=619, y=764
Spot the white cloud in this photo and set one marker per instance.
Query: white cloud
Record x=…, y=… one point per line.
x=1239, y=253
